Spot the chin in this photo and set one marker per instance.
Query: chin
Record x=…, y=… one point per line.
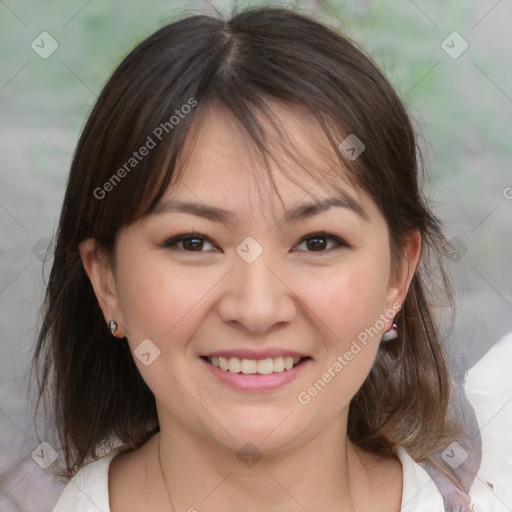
x=265, y=431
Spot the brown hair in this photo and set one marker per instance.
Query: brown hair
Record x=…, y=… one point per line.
x=91, y=382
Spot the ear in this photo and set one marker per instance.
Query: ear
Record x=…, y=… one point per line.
x=100, y=273
x=402, y=277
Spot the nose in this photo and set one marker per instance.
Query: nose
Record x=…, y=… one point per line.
x=257, y=298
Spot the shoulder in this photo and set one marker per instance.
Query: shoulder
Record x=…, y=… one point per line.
x=419, y=492
x=489, y=390
x=87, y=491
x=116, y=481
x=128, y=479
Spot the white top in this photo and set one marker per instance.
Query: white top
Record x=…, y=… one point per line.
x=87, y=491
x=488, y=387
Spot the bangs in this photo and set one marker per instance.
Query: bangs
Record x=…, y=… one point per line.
x=157, y=99
x=312, y=160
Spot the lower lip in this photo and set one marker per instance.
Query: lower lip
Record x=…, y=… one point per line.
x=257, y=382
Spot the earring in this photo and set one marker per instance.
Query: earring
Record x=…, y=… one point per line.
x=392, y=334
x=113, y=328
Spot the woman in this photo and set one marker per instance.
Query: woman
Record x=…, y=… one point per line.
x=239, y=311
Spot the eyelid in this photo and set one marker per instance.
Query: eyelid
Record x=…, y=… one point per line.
x=185, y=236
x=341, y=243
x=170, y=242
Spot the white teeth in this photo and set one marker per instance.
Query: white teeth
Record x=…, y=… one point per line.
x=247, y=365
x=265, y=366
x=235, y=365
x=288, y=363
x=278, y=363
x=252, y=366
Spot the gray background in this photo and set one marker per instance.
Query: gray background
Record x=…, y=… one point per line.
x=463, y=108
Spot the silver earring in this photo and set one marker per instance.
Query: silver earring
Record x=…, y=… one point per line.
x=392, y=334
x=113, y=327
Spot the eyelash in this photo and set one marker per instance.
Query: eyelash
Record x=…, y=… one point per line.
x=171, y=242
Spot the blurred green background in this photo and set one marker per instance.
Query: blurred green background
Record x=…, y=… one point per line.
x=462, y=108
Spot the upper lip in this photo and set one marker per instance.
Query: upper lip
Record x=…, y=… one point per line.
x=255, y=354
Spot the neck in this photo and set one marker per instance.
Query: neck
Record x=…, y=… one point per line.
x=323, y=473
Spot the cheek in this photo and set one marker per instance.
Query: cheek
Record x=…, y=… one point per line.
x=349, y=300
x=160, y=303
x=348, y=312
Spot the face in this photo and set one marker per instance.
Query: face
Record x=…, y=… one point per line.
x=252, y=289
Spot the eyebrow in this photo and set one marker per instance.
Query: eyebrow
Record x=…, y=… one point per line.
x=302, y=212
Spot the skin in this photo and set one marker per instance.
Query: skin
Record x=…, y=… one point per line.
x=293, y=296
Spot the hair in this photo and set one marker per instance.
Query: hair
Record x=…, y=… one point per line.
x=259, y=55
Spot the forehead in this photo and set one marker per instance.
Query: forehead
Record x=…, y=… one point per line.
x=221, y=163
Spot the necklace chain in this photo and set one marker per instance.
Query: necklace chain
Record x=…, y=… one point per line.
x=169, y=494
x=165, y=480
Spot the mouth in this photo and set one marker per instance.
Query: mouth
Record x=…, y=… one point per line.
x=266, y=366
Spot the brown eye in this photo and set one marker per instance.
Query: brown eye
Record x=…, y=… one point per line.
x=190, y=242
x=318, y=242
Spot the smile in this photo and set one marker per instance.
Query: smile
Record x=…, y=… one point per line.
x=254, y=366
x=255, y=375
